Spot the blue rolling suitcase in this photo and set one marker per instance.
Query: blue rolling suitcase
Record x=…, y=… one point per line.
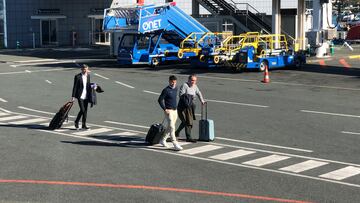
x=206, y=126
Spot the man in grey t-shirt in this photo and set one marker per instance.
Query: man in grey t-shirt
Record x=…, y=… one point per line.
x=185, y=110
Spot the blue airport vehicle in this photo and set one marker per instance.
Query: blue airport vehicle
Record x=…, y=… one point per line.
x=150, y=34
x=271, y=51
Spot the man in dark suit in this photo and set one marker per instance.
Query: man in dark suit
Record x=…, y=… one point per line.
x=82, y=92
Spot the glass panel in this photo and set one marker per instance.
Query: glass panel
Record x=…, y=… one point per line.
x=1, y=24
x=127, y=41
x=53, y=34
x=100, y=36
x=143, y=42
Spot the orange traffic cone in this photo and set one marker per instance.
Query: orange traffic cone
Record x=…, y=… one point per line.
x=266, y=75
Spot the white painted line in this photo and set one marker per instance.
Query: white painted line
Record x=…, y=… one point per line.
x=3, y=114
x=36, y=71
x=34, y=120
x=332, y=114
x=43, y=63
x=69, y=135
x=245, y=80
x=136, y=141
x=342, y=173
x=3, y=100
x=184, y=143
x=94, y=131
x=209, y=160
x=262, y=144
x=303, y=166
x=232, y=154
x=123, y=84
x=266, y=160
x=65, y=128
x=48, y=81
x=27, y=71
x=286, y=154
x=36, y=60
x=146, y=91
x=38, y=111
x=11, y=118
x=127, y=124
x=202, y=149
x=4, y=110
x=236, y=103
x=25, y=108
x=351, y=133
x=103, y=77
x=124, y=134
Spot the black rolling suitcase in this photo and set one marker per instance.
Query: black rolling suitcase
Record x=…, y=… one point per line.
x=155, y=134
x=60, y=116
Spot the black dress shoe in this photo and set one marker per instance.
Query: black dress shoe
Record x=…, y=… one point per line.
x=76, y=125
x=85, y=127
x=191, y=140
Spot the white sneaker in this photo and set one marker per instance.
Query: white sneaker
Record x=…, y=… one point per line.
x=164, y=143
x=177, y=147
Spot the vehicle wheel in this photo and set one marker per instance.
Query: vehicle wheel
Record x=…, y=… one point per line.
x=202, y=58
x=155, y=62
x=180, y=54
x=216, y=59
x=298, y=63
x=236, y=68
x=262, y=66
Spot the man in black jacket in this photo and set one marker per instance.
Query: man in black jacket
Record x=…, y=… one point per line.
x=82, y=92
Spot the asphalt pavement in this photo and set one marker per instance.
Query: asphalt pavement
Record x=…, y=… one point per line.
x=294, y=139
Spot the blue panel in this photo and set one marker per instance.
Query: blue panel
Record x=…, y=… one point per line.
x=111, y=23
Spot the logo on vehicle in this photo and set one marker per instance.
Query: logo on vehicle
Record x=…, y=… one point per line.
x=151, y=25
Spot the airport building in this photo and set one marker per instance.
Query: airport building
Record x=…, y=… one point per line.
x=49, y=23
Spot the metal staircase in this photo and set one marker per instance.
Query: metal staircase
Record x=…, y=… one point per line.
x=243, y=12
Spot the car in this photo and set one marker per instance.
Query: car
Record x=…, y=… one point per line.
x=355, y=20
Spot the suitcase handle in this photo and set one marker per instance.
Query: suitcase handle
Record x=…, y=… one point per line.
x=202, y=111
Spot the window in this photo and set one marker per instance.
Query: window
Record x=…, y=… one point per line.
x=127, y=41
x=143, y=42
